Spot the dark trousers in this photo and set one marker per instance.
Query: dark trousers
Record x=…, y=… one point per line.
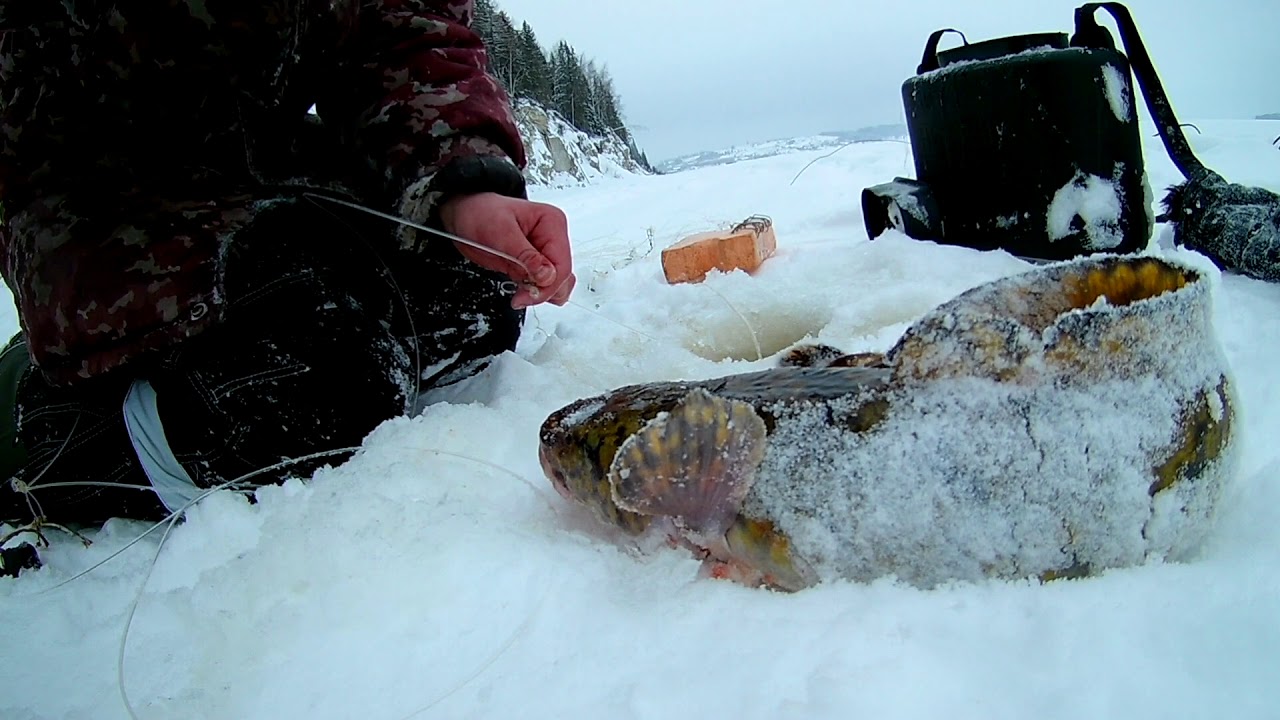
x=329, y=330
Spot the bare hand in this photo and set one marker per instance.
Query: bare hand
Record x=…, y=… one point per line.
x=535, y=233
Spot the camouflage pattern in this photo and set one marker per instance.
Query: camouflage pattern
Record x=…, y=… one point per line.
x=138, y=137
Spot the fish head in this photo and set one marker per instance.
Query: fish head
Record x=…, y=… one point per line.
x=577, y=445
x=679, y=461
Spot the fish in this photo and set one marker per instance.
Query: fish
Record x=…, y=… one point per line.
x=1056, y=423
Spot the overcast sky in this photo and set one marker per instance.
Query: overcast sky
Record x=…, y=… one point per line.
x=706, y=74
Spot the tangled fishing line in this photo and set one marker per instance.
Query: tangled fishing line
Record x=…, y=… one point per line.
x=239, y=485
x=170, y=521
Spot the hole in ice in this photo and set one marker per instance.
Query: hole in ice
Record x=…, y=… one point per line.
x=721, y=334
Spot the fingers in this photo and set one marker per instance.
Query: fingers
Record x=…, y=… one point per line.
x=535, y=234
x=561, y=295
x=547, y=231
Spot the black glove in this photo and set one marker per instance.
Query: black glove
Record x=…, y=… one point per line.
x=14, y=560
x=1236, y=226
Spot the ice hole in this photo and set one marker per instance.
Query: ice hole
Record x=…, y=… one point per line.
x=722, y=334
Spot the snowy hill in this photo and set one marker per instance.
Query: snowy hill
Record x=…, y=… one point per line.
x=438, y=574
x=770, y=148
x=560, y=155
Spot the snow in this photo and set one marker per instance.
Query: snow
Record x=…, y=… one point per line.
x=1030, y=54
x=1115, y=83
x=1094, y=201
x=439, y=575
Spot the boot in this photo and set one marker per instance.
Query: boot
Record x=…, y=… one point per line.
x=14, y=362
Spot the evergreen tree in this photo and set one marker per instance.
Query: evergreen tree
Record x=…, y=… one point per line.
x=564, y=71
x=533, y=70
x=561, y=80
x=606, y=115
x=504, y=51
x=594, y=123
x=580, y=94
x=482, y=23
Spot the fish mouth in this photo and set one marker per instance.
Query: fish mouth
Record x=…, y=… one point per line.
x=551, y=468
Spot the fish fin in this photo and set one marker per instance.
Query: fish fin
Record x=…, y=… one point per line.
x=759, y=545
x=694, y=464
x=817, y=355
x=810, y=355
x=860, y=360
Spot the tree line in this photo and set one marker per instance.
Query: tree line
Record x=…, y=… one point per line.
x=562, y=79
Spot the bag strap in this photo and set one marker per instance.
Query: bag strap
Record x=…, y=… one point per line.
x=930, y=60
x=1090, y=34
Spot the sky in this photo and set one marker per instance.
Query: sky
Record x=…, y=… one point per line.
x=709, y=74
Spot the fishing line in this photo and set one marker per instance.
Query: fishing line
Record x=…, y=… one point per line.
x=530, y=286
x=38, y=519
x=833, y=152
x=201, y=496
x=601, y=315
x=96, y=483
x=133, y=610
x=824, y=157
x=170, y=521
x=493, y=466
x=33, y=504
x=395, y=286
x=525, y=624
x=173, y=517
x=470, y=243
x=496, y=655
x=755, y=340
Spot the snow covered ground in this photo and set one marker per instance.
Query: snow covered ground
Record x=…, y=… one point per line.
x=438, y=575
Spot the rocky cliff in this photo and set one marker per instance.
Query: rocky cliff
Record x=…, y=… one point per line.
x=560, y=154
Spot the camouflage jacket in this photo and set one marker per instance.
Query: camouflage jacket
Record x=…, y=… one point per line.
x=138, y=136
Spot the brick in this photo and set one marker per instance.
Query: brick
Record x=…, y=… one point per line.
x=745, y=247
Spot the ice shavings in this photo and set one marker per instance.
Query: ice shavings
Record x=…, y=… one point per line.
x=1095, y=202
x=1117, y=89
x=969, y=477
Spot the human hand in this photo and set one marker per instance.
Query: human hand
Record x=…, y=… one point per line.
x=535, y=233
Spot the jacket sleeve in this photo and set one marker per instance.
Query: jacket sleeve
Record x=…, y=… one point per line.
x=413, y=96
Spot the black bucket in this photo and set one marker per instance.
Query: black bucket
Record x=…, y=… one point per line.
x=1023, y=144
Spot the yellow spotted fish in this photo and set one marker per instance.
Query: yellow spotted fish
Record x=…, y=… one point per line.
x=1051, y=424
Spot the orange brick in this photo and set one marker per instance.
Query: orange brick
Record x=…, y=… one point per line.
x=743, y=248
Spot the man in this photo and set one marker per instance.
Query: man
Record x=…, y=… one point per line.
x=201, y=290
